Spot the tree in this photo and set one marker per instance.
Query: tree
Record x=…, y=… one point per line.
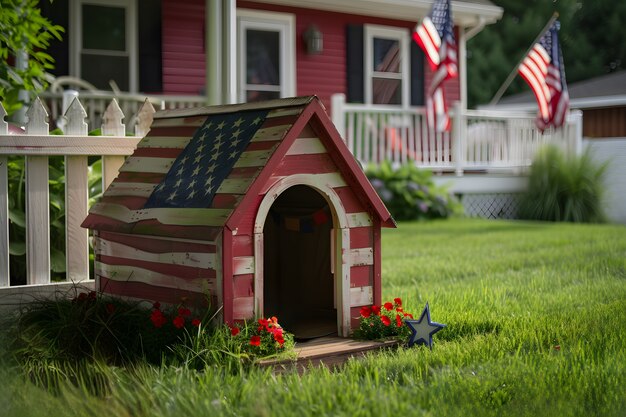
x=591, y=36
x=23, y=30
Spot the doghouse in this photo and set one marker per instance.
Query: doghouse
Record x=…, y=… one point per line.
x=260, y=205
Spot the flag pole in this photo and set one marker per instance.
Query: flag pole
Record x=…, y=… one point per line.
x=513, y=73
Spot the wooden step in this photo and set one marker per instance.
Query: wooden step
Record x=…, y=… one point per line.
x=328, y=351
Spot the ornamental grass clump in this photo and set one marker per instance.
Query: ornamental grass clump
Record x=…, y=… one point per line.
x=383, y=322
x=564, y=188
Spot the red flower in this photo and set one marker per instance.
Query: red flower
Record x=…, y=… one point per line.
x=366, y=312
x=234, y=331
x=92, y=295
x=82, y=296
x=399, y=309
x=409, y=315
x=255, y=341
x=185, y=312
x=156, y=305
x=386, y=320
x=376, y=310
x=195, y=322
x=110, y=308
x=263, y=324
x=157, y=318
x=178, y=322
x=398, y=320
x=388, y=306
x=398, y=301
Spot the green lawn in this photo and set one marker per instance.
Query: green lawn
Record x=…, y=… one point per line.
x=536, y=326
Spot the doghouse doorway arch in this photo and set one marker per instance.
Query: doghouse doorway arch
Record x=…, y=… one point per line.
x=341, y=244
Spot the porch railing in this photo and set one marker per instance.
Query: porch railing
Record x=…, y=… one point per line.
x=36, y=146
x=478, y=140
x=96, y=102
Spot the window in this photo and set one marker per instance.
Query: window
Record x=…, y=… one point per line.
x=266, y=55
x=386, y=65
x=105, y=42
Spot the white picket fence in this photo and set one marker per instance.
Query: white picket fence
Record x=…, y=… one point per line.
x=478, y=140
x=36, y=145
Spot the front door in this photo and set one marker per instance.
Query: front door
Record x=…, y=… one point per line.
x=266, y=55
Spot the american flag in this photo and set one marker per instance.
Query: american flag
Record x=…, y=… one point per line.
x=544, y=72
x=206, y=161
x=436, y=38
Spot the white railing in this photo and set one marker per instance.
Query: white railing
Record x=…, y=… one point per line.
x=35, y=146
x=96, y=102
x=478, y=140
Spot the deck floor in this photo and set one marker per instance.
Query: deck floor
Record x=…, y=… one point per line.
x=330, y=351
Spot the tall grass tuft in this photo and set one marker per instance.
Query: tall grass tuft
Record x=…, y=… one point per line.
x=564, y=188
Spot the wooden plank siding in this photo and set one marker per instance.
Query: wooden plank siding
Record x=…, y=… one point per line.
x=169, y=270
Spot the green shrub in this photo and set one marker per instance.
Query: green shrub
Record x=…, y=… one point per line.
x=410, y=193
x=564, y=188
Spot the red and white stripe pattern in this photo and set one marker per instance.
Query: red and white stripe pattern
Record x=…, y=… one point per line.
x=436, y=38
x=121, y=208
x=543, y=71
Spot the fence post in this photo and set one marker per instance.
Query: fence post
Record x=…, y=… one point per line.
x=76, y=199
x=577, y=115
x=112, y=126
x=37, y=203
x=4, y=208
x=144, y=118
x=459, y=139
x=338, y=102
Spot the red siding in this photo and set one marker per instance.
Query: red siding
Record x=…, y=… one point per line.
x=183, y=47
x=322, y=75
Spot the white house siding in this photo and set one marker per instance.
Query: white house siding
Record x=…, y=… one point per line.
x=612, y=150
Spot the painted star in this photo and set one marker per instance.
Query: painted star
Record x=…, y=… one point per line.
x=422, y=330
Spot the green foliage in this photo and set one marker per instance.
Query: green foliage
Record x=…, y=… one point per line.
x=17, y=203
x=587, y=51
x=564, y=188
x=410, y=193
x=24, y=29
x=534, y=315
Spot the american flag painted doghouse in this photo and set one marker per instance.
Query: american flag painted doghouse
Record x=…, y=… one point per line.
x=259, y=205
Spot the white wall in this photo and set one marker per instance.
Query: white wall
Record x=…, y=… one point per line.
x=612, y=150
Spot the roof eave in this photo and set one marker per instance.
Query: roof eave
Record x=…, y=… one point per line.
x=464, y=13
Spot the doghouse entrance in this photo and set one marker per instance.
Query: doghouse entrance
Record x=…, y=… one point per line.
x=298, y=284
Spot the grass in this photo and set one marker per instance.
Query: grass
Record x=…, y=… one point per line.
x=536, y=326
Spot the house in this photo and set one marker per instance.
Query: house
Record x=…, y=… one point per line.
x=602, y=101
x=260, y=205
x=241, y=51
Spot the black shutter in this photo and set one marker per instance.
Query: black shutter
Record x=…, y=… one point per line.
x=417, y=75
x=149, y=41
x=58, y=14
x=354, y=64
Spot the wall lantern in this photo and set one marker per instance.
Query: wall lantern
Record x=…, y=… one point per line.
x=313, y=40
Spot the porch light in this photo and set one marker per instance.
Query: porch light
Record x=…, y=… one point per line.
x=314, y=40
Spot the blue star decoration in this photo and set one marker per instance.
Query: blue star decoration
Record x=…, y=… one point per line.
x=422, y=330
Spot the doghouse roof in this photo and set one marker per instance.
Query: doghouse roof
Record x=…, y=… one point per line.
x=197, y=169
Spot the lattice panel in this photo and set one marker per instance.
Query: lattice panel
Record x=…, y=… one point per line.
x=491, y=206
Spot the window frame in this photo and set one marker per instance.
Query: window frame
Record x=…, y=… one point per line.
x=284, y=24
x=393, y=33
x=76, y=38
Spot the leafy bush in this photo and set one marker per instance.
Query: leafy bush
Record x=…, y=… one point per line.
x=564, y=188
x=410, y=193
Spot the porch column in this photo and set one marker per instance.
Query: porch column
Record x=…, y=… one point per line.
x=213, y=56
x=463, y=67
x=229, y=52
